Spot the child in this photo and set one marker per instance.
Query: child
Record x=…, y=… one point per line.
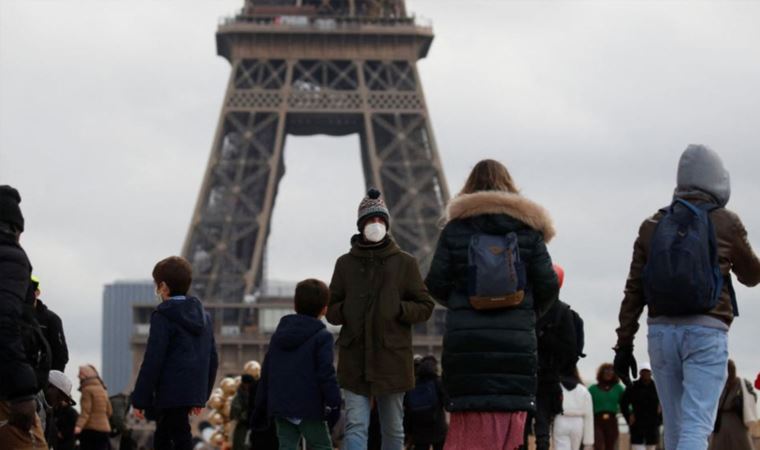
x=180, y=362
x=298, y=387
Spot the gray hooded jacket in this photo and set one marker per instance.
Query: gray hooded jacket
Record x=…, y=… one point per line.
x=702, y=178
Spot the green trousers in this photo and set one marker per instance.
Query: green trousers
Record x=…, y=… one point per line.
x=314, y=431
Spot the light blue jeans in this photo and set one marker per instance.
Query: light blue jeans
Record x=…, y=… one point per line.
x=391, y=410
x=689, y=364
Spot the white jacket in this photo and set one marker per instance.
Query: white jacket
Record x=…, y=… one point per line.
x=578, y=403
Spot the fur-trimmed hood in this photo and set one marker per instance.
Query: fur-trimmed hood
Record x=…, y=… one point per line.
x=499, y=202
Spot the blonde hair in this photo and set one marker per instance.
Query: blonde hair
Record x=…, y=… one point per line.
x=489, y=175
x=89, y=371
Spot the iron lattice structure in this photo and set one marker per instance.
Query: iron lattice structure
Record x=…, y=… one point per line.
x=300, y=70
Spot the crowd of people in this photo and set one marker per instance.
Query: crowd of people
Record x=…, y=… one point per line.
x=511, y=348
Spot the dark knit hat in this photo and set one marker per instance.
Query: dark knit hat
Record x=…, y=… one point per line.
x=373, y=206
x=10, y=213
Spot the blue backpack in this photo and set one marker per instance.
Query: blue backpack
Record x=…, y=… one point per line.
x=496, y=277
x=682, y=275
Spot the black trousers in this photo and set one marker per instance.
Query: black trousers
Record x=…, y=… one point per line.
x=173, y=430
x=94, y=440
x=646, y=434
x=423, y=446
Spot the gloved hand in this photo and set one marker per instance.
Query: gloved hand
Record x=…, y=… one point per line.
x=757, y=381
x=21, y=414
x=625, y=363
x=333, y=415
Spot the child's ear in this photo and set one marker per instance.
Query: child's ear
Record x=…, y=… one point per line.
x=324, y=311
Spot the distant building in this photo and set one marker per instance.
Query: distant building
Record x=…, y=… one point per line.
x=118, y=327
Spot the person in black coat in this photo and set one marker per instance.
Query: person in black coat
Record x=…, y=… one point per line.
x=179, y=367
x=489, y=356
x=52, y=328
x=425, y=424
x=640, y=406
x=557, y=354
x=298, y=387
x=20, y=380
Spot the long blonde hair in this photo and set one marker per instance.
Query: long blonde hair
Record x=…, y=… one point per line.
x=489, y=175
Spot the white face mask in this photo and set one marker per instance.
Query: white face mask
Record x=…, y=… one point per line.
x=374, y=232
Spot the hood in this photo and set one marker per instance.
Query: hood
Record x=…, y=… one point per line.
x=187, y=312
x=384, y=249
x=499, y=202
x=701, y=169
x=40, y=307
x=295, y=329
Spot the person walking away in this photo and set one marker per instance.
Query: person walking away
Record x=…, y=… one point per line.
x=179, y=366
x=52, y=329
x=298, y=388
x=681, y=270
x=377, y=295
x=24, y=353
x=239, y=412
x=424, y=415
x=492, y=271
x=737, y=410
x=575, y=426
x=560, y=345
x=93, y=425
x=641, y=408
x=265, y=438
x=59, y=432
x=606, y=394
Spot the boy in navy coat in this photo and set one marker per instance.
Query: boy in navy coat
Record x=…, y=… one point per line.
x=180, y=362
x=298, y=386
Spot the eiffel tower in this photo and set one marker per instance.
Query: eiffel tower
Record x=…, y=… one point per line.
x=305, y=67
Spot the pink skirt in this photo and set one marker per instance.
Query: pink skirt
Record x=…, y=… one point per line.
x=472, y=430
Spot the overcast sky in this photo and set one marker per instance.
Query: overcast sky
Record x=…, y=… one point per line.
x=108, y=110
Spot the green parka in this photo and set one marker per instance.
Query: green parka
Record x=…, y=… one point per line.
x=377, y=294
x=489, y=357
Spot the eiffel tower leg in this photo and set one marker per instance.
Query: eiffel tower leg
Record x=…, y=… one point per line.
x=232, y=216
x=400, y=155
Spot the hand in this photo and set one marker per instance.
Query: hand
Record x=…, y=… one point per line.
x=631, y=420
x=333, y=416
x=196, y=411
x=77, y=430
x=139, y=413
x=21, y=414
x=625, y=363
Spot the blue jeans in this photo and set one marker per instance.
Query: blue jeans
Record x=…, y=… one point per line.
x=689, y=364
x=391, y=410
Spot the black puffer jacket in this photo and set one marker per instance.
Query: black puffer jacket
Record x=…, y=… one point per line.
x=489, y=357
x=17, y=377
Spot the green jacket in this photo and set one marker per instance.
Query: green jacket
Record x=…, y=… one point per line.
x=377, y=294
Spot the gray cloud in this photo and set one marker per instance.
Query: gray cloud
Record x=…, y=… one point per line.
x=108, y=109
